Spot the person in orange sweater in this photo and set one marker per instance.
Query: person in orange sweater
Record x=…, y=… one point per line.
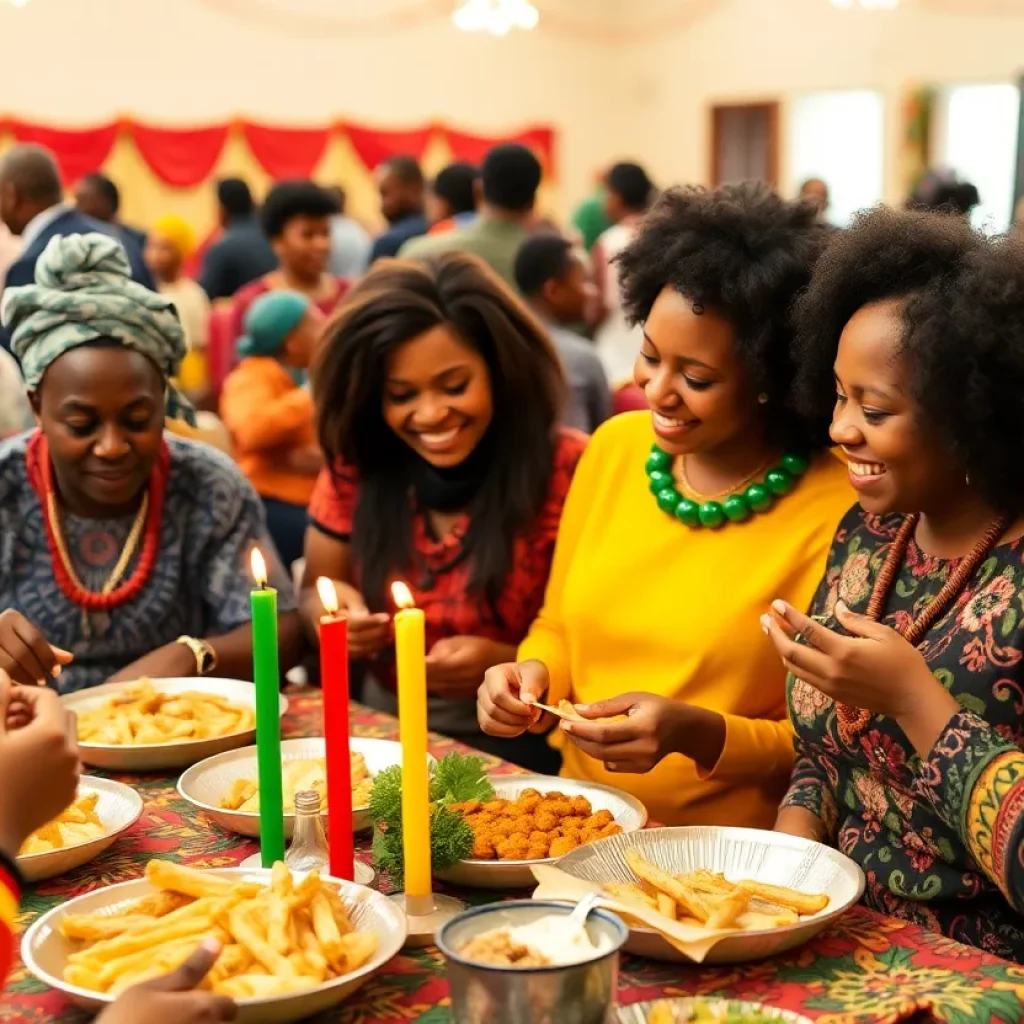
x=269, y=412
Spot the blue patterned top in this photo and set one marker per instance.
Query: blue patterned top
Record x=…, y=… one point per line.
x=200, y=585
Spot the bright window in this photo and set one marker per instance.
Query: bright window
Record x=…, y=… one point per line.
x=977, y=127
x=840, y=138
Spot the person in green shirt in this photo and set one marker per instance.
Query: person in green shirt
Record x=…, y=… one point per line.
x=509, y=179
x=590, y=218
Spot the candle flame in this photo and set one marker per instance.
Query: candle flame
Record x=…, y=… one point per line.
x=328, y=595
x=259, y=567
x=402, y=595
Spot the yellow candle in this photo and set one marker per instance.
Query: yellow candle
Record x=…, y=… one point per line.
x=410, y=659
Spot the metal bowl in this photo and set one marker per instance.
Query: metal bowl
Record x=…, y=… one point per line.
x=738, y=853
x=45, y=951
x=152, y=757
x=204, y=784
x=516, y=874
x=581, y=993
x=118, y=807
x=639, y=1012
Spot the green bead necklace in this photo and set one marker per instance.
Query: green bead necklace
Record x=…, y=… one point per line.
x=736, y=508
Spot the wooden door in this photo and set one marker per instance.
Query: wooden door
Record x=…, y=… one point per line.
x=745, y=143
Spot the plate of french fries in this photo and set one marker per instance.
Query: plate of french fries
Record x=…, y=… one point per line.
x=535, y=819
x=215, y=784
x=101, y=811
x=764, y=892
x=292, y=947
x=160, y=724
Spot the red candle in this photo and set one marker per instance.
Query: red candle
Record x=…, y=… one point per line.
x=334, y=684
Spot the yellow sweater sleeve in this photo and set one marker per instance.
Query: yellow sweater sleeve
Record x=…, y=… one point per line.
x=546, y=641
x=754, y=748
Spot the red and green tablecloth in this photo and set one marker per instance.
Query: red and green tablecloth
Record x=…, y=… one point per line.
x=866, y=969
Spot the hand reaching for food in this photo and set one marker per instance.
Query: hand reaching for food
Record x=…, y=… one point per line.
x=506, y=703
x=25, y=654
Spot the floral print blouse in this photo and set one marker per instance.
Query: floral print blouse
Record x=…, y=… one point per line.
x=941, y=840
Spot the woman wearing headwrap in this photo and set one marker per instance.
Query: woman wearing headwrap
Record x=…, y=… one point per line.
x=171, y=243
x=122, y=553
x=270, y=414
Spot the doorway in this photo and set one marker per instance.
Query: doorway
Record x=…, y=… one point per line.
x=745, y=143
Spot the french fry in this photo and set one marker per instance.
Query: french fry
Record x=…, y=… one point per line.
x=728, y=909
x=326, y=930
x=243, y=928
x=667, y=906
x=664, y=882
x=628, y=892
x=802, y=902
x=164, y=875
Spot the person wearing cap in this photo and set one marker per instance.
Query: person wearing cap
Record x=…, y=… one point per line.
x=269, y=412
x=170, y=245
x=126, y=550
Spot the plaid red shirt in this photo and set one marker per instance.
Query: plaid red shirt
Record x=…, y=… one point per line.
x=439, y=582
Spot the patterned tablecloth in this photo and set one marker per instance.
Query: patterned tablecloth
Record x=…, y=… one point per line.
x=867, y=969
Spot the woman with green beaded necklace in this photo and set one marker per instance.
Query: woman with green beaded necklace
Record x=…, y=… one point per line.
x=682, y=521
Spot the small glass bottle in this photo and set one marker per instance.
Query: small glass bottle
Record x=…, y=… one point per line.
x=308, y=850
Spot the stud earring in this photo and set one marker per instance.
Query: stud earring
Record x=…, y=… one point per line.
x=698, y=308
x=762, y=399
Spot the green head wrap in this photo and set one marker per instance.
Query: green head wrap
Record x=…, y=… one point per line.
x=84, y=292
x=269, y=321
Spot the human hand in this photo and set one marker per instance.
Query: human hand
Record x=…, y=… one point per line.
x=24, y=653
x=504, y=702
x=456, y=664
x=43, y=742
x=174, y=998
x=874, y=668
x=171, y=661
x=654, y=727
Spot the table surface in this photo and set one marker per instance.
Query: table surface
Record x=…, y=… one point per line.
x=866, y=969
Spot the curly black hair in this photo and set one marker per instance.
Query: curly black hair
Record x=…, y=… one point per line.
x=747, y=253
x=962, y=339
x=289, y=199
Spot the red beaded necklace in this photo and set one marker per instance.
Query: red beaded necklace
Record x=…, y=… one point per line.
x=40, y=475
x=852, y=720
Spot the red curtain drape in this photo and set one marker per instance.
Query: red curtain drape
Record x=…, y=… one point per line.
x=78, y=151
x=286, y=152
x=182, y=157
x=375, y=146
x=186, y=157
x=473, y=148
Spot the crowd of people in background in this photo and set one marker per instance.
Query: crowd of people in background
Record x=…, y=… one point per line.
x=419, y=403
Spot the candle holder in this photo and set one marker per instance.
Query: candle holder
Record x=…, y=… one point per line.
x=425, y=916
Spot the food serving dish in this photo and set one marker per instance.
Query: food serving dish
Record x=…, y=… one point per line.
x=118, y=807
x=626, y=810
x=204, y=784
x=149, y=757
x=737, y=853
x=45, y=951
x=645, y=1013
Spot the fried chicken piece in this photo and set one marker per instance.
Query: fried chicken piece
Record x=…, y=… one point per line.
x=495, y=806
x=599, y=820
x=539, y=852
x=561, y=846
x=483, y=848
x=572, y=832
x=514, y=848
x=611, y=829
x=581, y=806
x=529, y=800
x=588, y=835
x=467, y=807
x=545, y=821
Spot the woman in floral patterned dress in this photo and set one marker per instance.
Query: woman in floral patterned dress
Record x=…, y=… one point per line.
x=907, y=681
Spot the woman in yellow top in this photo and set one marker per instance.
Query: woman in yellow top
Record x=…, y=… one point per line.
x=681, y=523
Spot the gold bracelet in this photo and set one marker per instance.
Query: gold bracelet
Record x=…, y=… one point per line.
x=206, y=656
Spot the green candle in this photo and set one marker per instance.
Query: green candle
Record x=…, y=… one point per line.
x=268, y=719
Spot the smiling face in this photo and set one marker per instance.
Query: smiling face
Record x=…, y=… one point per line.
x=102, y=411
x=895, y=464
x=437, y=396
x=701, y=395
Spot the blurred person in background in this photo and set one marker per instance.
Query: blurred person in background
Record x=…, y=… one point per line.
x=509, y=179
x=590, y=218
x=170, y=244
x=269, y=412
x=555, y=283
x=350, y=241
x=815, y=190
x=10, y=250
x=401, y=186
x=296, y=218
x=944, y=192
x=98, y=197
x=15, y=412
x=628, y=194
x=32, y=207
x=242, y=253
x=452, y=197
